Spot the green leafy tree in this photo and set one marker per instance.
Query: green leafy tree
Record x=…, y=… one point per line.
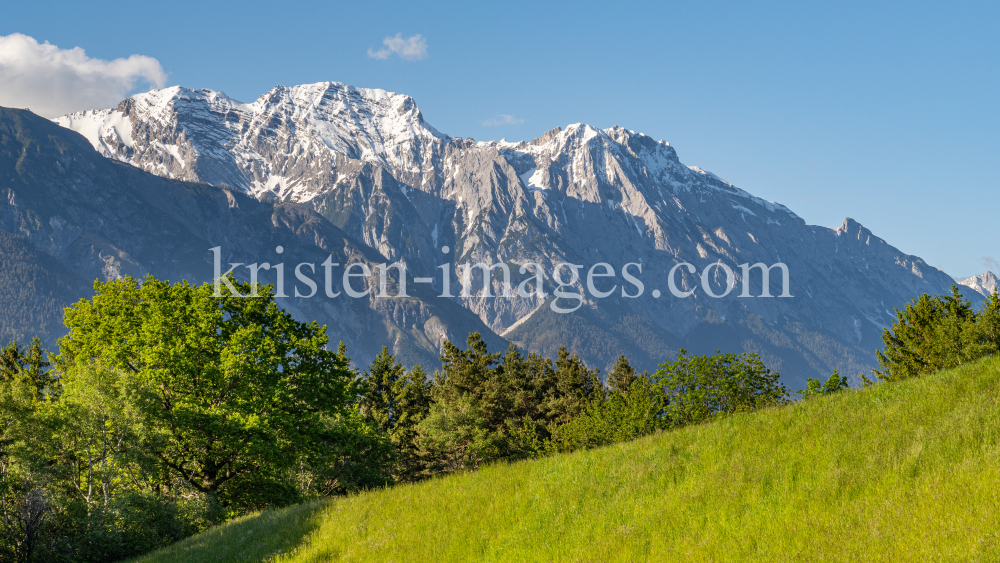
x=73, y=485
x=354, y=456
x=32, y=496
x=814, y=387
x=624, y=414
x=699, y=388
x=238, y=392
x=25, y=379
x=97, y=427
x=24, y=510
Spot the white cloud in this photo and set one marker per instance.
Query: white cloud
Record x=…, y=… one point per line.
x=53, y=81
x=411, y=49
x=502, y=119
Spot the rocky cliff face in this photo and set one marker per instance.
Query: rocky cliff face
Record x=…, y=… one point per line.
x=366, y=162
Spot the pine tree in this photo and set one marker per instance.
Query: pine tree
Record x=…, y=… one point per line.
x=379, y=387
x=395, y=401
x=32, y=360
x=622, y=375
x=929, y=335
x=527, y=382
x=983, y=337
x=575, y=384
x=465, y=372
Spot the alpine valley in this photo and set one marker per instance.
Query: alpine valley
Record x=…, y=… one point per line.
x=331, y=171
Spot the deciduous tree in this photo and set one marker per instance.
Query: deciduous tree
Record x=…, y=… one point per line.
x=238, y=391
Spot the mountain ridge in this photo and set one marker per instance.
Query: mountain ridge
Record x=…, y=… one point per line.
x=366, y=161
x=985, y=283
x=96, y=218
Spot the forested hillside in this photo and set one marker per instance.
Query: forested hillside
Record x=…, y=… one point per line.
x=34, y=289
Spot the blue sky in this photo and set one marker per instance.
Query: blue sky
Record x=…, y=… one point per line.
x=888, y=114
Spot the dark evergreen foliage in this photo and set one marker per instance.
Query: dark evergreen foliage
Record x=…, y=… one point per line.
x=622, y=375
x=938, y=332
x=394, y=402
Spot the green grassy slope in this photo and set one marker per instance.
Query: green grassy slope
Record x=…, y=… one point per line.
x=898, y=472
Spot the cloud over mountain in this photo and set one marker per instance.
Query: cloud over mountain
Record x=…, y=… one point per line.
x=411, y=49
x=502, y=119
x=53, y=81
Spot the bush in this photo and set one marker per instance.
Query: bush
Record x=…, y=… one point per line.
x=130, y=525
x=815, y=388
x=699, y=388
x=624, y=414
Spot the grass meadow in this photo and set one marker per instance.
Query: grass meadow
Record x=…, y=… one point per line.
x=898, y=472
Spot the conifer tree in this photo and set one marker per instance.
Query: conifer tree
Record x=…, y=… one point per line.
x=575, y=384
x=379, y=386
x=929, y=335
x=460, y=430
x=32, y=360
x=622, y=375
x=983, y=337
x=414, y=402
x=395, y=401
x=466, y=371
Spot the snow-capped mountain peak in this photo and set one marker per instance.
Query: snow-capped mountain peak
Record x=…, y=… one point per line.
x=284, y=144
x=985, y=283
x=366, y=161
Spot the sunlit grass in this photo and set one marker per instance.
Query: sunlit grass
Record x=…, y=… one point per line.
x=898, y=472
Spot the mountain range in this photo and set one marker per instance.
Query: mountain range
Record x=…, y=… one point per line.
x=330, y=170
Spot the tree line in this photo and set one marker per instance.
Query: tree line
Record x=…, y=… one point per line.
x=168, y=410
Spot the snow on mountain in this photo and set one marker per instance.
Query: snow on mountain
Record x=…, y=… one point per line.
x=366, y=161
x=288, y=141
x=76, y=216
x=285, y=144
x=985, y=283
